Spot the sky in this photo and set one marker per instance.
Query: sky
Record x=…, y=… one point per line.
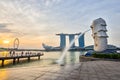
x=35, y=22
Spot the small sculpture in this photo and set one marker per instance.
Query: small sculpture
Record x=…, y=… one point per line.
x=99, y=34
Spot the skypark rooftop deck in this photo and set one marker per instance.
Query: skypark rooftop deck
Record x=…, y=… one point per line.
x=68, y=34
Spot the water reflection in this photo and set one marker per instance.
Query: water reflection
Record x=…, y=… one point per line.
x=72, y=57
x=82, y=53
x=48, y=59
x=3, y=74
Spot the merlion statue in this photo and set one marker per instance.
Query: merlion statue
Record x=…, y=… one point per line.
x=99, y=34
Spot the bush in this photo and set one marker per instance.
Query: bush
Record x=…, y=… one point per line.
x=106, y=55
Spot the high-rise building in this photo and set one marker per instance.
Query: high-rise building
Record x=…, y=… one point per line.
x=62, y=40
x=71, y=38
x=81, y=41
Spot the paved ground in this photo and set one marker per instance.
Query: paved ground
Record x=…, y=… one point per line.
x=92, y=70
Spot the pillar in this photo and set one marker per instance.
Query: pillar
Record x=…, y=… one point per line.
x=18, y=60
x=14, y=59
x=71, y=38
x=81, y=41
x=28, y=58
x=2, y=64
x=62, y=40
x=38, y=57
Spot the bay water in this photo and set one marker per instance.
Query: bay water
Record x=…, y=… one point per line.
x=48, y=59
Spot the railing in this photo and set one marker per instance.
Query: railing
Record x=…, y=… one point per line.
x=16, y=57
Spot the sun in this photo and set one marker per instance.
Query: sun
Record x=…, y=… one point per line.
x=6, y=41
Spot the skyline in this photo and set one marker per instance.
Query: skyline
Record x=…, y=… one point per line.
x=37, y=21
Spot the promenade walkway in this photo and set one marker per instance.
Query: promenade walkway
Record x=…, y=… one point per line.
x=91, y=70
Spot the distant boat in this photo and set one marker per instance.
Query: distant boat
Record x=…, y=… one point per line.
x=50, y=48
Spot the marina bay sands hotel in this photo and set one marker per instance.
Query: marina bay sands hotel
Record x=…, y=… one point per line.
x=81, y=42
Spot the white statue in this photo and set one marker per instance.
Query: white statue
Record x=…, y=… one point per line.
x=99, y=34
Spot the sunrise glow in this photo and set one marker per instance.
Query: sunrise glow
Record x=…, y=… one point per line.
x=6, y=41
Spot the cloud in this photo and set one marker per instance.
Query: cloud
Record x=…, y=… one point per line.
x=2, y=25
x=36, y=18
x=4, y=29
x=49, y=3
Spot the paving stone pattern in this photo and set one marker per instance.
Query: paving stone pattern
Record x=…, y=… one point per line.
x=91, y=70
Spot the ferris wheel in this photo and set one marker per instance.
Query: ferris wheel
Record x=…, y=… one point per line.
x=16, y=43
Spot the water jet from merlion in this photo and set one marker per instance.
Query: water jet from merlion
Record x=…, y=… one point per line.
x=61, y=59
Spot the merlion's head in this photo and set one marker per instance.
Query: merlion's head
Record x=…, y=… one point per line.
x=99, y=21
x=98, y=24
